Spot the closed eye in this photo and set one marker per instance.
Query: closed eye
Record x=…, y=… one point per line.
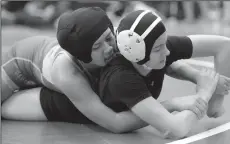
x=108, y=38
x=96, y=46
x=158, y=48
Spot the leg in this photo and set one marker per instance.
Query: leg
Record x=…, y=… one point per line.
x=7, y=86
x=24, y=105
x=6, y=91
x=222, y=66
x=42, y=104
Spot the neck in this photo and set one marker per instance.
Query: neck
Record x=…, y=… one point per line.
x=141, y=69
x=90, y=66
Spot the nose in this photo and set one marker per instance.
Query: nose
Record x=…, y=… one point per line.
x=166, y=51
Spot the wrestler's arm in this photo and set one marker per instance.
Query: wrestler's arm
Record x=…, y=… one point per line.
x=209, y=45
x=212, y=45
x=171, y=126
x=75, y=86
x=183, y=71
x=200, y=46
x=131, y=90
x=184, y=47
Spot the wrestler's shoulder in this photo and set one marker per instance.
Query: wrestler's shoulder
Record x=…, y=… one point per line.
x=36, y=39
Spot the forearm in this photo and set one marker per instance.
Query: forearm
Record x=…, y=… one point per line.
x=208, y=45
x=186, y=120
x=157, y=116
x=183, y=71
x=116, y=122
x=130, y=121
x=169, y=105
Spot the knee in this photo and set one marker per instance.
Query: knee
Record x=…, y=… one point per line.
x=7, y=111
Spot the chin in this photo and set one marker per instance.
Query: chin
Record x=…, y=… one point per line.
x=102, y=64
x=99, y=64
x=161, y=66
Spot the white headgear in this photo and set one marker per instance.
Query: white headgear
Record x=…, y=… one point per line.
x=130, y=44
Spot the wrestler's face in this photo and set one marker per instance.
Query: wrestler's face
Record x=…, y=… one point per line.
x=159, y=53
x=103, y=48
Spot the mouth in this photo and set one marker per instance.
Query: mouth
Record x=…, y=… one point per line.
x=109, y=57
x=163, y=61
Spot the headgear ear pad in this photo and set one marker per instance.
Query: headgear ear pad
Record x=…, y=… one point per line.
x=136, y=34
x=131, y=46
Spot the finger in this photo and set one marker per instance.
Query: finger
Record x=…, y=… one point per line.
x=225, y=93
x=226, y=78
x=226, y=87
x=202, y=102
x=198, y=112
x=227, y=83
x=213, y=73
x=216, y=79
x=211, y=70
x=208, y=71
x=195, y=110
x=202, y=109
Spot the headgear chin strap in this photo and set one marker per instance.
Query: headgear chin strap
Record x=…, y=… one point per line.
x=132, y=45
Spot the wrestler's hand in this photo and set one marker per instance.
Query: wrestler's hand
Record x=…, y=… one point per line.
x=207, y=82
x=223, y=85
x=194, y=103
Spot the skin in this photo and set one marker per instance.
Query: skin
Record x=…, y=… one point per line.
x=102, y=49
x=76, y=87
x=159, y=53
x=217, y=46
x=202, y=46
x=158, y=56
x=187, y=116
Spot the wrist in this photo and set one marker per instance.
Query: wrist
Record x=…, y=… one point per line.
x=171, y=105
x=204, y=94
x=196, y=77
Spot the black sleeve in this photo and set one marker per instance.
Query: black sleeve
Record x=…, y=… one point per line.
x=128, y=87
x=180, y=47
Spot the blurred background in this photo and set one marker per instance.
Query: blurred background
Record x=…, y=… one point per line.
x=21, y=19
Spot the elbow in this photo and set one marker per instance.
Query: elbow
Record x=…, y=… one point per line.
x=182, y=134
x=115, y=127
x=117, y=130
x=120, y=126
x=178, y=133
x=174, y=135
